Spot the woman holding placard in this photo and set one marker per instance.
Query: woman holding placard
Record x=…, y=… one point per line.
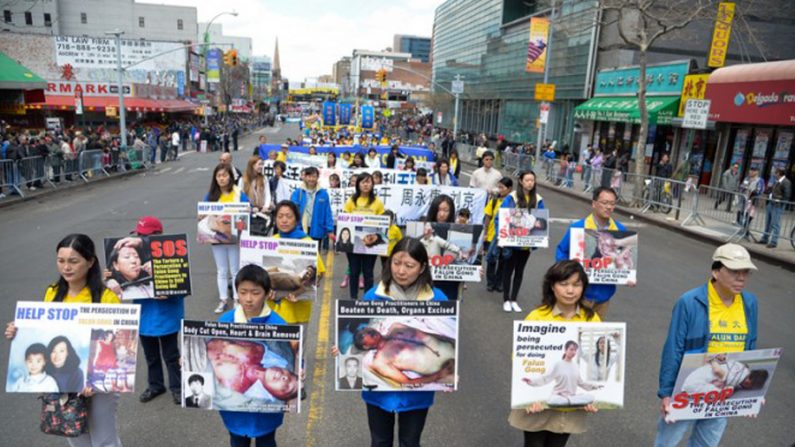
x=515, y=259
x=80, y=282
x=363, y=201
x=561, y=301
x=442, y=210
x=226, y=256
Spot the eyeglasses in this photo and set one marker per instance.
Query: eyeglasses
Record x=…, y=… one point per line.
x=738, y=273
x=606, y=203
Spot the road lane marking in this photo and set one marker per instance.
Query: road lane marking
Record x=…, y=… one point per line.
x=164, y=170
x=179, y=170
x=321, y=354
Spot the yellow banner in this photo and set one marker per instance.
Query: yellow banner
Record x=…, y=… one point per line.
x=720, y=35
x=545, y=92
x=694, y=87
x=537, y=47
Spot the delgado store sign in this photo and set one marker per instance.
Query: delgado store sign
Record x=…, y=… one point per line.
x=765, y=102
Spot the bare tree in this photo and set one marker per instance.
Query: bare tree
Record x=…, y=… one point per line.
x=640, y=23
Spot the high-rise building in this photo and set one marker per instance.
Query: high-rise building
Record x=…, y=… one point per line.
x=341, y=73
x=261, y=79
x=419, y=47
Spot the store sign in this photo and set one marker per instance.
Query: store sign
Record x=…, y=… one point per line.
x=696, y=114
x=376, y=63
x=665, y=79
x=545, y=92
x=695, y=88
x=457, y=87
x=100, y=52
x=764, y=102
x=543, y=115
x=72, y=88
x=110, y=111
x=720, y=35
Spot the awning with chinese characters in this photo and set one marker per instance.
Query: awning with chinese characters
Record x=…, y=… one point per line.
x=661, y=109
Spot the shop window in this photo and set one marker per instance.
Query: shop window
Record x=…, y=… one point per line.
x=179, y=24
x=141, y=23
x=47, y=19
x=7, y=16
x=28, y=18
x=83, y=18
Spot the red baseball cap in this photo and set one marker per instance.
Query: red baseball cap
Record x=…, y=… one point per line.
x=148, y=225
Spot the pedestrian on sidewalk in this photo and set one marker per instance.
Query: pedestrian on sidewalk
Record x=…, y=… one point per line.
x=752, y=187
x=698, y=324
x=729, y=181
x=779, y=193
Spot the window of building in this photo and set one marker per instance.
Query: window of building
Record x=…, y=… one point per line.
x=47, y=19
x=516, y=9
x=83, y=18
x=179, y=24
x=7, y=16
x=28, y=18
x=141, y=22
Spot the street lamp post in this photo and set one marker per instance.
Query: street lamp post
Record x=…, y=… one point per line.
x=542, y=131
x=120, y=79
x=206, y=38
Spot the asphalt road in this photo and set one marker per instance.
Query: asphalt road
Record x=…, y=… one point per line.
x=476, y=415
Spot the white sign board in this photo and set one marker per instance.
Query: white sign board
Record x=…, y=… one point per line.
x=543, y=115
x=100, y=52
x=457, y=87
x=696, y=113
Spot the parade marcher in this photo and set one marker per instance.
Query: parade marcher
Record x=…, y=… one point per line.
x=363, y=201
x=314, y=206
x=441, y=210
x=455, y=164
x=226, y=159
x=487, y=176
x=442, y=175
x=80, y=282
x=408, y=277
x=373, y=160
x=393, y=157
x=515, y=259
x=699, y=324
x=561, y=302
x=253, y=286
x=258, y=191
x=494, y=262
x=287, y=217
x=780, y=192
x=597, y=296
x=226, y=256
x=421, y=177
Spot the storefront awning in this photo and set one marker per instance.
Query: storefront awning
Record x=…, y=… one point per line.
x=661, y=109
x=94, y=103
x=16, y=77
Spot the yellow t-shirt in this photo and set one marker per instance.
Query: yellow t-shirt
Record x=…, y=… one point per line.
x=232, y=196
x=301, y=311
x=727, y=327
x=281, y=156
x=84, y=297
x=362, y=207
x=545, y=313
x=493, y=211
x=395, y=235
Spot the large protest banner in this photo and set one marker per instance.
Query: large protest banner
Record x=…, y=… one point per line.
x=397, y=345
x=62, y=348
x=568, y=365
x=389, y=176
x=290, y=263
x=222, y=223
x=722, y=385
x=452, y=249
x=418, y=153
x=609, y=257
x=148, y=266
x=318, y=161
x=520, y=227
x=362, y=234
x=244, y=367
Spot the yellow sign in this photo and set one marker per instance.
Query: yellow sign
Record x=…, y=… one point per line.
x=537, y=47
x=694, y=87
x=720, y=35
x=545, y=92
x=110, y=111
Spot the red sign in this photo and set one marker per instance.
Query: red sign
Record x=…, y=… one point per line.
x=764, y=102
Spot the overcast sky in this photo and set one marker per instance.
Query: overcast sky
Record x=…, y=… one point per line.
x=313, y=34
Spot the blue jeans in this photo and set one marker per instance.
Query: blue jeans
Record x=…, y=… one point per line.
x=268, y=440
x=706, y=432
x=772, y=223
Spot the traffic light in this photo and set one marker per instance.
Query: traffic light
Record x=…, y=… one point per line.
x=233, y=57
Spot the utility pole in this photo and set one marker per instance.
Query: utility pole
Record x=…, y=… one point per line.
x=457, y=88
x=120, y=79
x=542, y=131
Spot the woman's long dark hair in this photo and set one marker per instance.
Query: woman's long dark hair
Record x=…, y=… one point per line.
x=414, y=248
x=72, y=359
x=329, y=164
x=439, y=163
x=215, y=190
x=599, y=354
x=520, y=200
x=361, y=157
x=559, y=272
x=358, y=192
x=84, y=246
x=433, y=210
x=569, y=344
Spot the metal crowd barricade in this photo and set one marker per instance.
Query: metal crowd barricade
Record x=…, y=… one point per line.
x=9, y=176
x=663, y=195
x=721, y=205
x=757, y=214
x=34, y=169
x=510, y=162
x=466, y=152
x=91, y=164
x=137, y=158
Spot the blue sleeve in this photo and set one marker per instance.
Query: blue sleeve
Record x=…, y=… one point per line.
x=751, y=321
x=454, y=180
x=674, y=349
x=206, y=197
x=620, y=226
x=562, y=253
x=328, y=216
x=295, y=197
x=540, y=205
x=243, y=197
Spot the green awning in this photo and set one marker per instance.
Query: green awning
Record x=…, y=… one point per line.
x=661, y=109
x=16, y=77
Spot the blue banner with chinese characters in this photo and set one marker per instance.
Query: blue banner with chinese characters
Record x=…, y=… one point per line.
x=663, y=79
x=345, y=114
x=329, y=113
x=368, y=117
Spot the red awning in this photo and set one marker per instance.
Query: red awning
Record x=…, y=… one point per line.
x=753, y=93
x=91, y=103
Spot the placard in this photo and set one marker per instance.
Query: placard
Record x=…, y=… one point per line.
x=222, y=223
x=722, y=385
x=362, y=234
x=291, y=264
x=568, y=365
x=520, y=227
x=452, y=249
x=243, y=367
x=609, y=257
x=148, y=266
x=65, y=347
x=397, y=345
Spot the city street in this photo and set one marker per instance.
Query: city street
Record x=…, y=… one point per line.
x=476, y=415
